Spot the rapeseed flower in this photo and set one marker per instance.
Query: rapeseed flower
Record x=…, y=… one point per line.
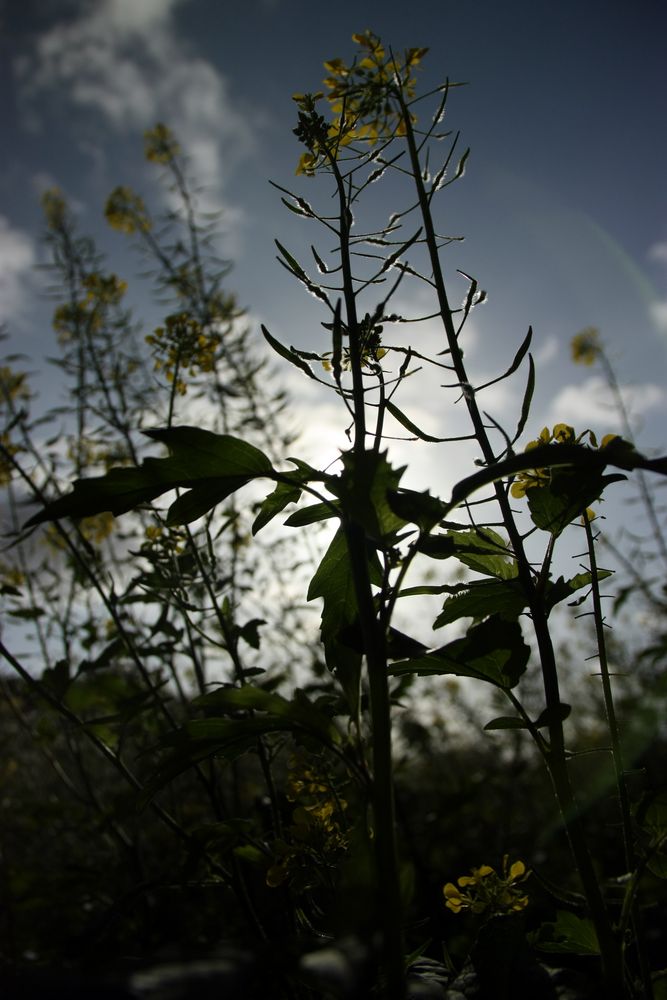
x=484, y=891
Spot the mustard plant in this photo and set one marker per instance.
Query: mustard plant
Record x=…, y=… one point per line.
x=341, y=863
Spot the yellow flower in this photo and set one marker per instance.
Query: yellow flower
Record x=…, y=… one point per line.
x=54, y=208
x=126, y=212
x=485, y=891
x=561, y=434
x=97, y=527
x=160, y=145
x=586, y=347
x=362, y=98
x=13, y=384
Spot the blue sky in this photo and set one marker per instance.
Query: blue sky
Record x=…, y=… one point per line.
x=563, y=203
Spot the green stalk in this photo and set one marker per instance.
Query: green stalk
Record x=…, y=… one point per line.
x=610, y=951
x=386, y=854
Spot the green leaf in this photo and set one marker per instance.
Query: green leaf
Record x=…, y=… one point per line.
x=288, y=354
x=561, y=589
x=485, y=551
x=619, y=453
x=506, y=722
x=292, y=263
x=437, y=546
x=198, y=458
x=284, y=494
x=566, y=497
x=200, y=454
x=362, y=489
x=527, y=399
x=203, y=498
x=568, y=934
x=334, y=583
x=409, y=425
x=250, y=633
x=492, y=651
x=421, y=509
x=483, y=598
x=311, y=514
x=545, y=718
x=299, y=711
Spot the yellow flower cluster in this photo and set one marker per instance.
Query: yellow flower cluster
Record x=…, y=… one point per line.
x=183, y=344
x=316, y=837
x=7, y=451
x=13, y=384
x=126, y=212
x=105, y=289
x=95, y=529
x=160, y=145
x=371, y=350
x=11, y=577
x=69, y=319
x=484, y=891
x=54, y=208
x=586, y=347
x=561, y=434
x=98, y=527
x=361, y=98
x=164, y=542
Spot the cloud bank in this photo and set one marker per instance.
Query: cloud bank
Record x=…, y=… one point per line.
x=125, y=63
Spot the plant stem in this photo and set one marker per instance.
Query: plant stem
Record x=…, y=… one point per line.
x=556, y=759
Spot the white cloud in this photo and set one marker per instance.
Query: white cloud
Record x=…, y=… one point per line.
x=17, y=258
x=124, y=60
x=658, y=311
x=658, y=252
x=588, y=404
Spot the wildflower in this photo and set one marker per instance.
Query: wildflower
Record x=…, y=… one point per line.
x=126, y=212
x=7, y=452
x=160, y=145
x=315, y=839
x=98, y=527
x=184, y=344
x=586, y=347
x=370, y=346
x=54, y=208
x=484, y=891
x=104, y=289
x=561, y=434
x=13, y=384
x=361, y=98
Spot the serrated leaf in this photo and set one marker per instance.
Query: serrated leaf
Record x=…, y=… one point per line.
x=197, y=458
x=363, y=488
x=421, y=509
x=483, y=598
x=561, y=589
x=492, y=651
x=299, y=711
x=568, y=934
x=485, y=551
x=566, y=497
